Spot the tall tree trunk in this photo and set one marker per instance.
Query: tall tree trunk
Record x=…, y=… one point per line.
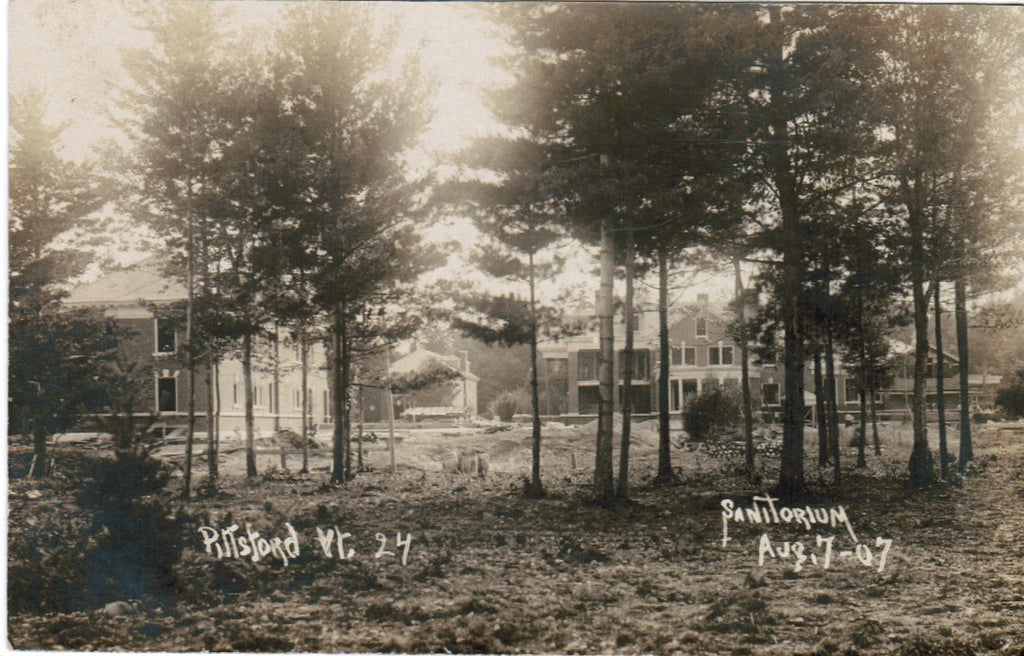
x=830, y=404
x=362, y=420
x=874, y=421
x=665, y=473
x=216, y=414
x=940, y=401
x=40, y=458
x=390, y=400
x=346, y=399
x=604, y=484
x=862, y=436
x=536, y=488
x=831, y=398
x=211, y=444
x=791, y=471
x=960, y=310
x=275, y=396
x=748, y=411
x=921, y=463
x=862, y=387
x=250, y=421
x=819, y=409
x=304, y=365
x=190, y=363
x=338, y=395
x=627, y=373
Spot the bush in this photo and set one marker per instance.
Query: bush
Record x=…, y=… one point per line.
x=506, y=404
x=1010, y=399
x=709, y=414
x=114, y=535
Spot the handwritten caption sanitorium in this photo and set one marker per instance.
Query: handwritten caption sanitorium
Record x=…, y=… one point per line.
x=822, y=551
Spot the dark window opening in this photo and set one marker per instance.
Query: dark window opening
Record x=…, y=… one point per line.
x=587, y=365
x=641, y=365
x=641, y=397
x=167, y=394
x=589, y=400
x=165, y=337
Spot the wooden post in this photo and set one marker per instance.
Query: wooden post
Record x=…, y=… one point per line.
x=391, y=412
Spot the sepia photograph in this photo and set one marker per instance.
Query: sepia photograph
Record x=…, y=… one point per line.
x=515, y=327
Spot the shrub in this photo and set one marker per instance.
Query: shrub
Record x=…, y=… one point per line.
x=1010, y=399
x=712, y=412
x=506, y=404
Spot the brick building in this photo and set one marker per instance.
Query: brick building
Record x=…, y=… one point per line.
x=701, y=353
x=128, y=296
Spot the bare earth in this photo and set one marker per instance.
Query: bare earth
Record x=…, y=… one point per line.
x=489, y=571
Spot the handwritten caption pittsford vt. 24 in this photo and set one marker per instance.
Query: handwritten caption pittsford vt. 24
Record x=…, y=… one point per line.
x=230, y=542
x=821, y=551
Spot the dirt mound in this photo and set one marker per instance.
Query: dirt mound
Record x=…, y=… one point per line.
x=641, y=433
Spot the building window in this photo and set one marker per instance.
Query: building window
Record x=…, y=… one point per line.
x=556, y=368
x=689, y=388
x=770, y=393
x=641, y=365
x=852, y=390
x=677, y=355
x=587, y=369
x=674, y=395
x=640, y=396
x=720, y=355
x=690, y=356
x=702, y=327
x=167, y=394
x=165, y=336
x=589, y=400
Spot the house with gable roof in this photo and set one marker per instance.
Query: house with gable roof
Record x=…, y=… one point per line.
x=450, y=399
x=129, y=297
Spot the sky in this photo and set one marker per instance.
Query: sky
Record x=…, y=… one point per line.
x=72, y=50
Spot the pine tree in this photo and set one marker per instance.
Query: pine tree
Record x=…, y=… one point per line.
x=356, y=224
x=53, y=353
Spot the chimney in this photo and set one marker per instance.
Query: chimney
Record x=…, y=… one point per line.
x=702, y=299
x=464, y=361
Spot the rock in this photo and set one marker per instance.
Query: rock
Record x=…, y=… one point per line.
x=118, y=609
x=755, y=579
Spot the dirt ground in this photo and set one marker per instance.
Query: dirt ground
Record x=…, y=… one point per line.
x=488, y=571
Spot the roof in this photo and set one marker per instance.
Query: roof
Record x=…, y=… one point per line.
x=421, y=358
x=142, y=282
x=899, y=347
